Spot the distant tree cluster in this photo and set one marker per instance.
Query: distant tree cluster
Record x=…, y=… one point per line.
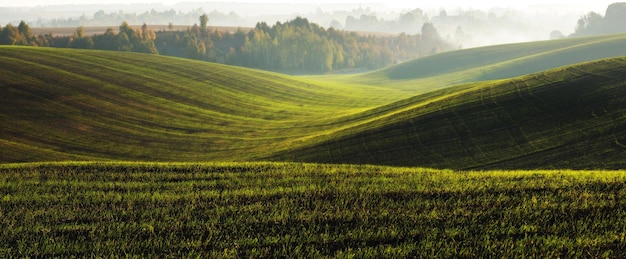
x=297, y=46
x=127, y=39
x=408, y=22
x=102, y=18
x=20, y=35
x=594, y=23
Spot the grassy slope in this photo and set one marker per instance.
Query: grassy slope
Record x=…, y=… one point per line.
x=243, y=210
x=571, y=117
x=488, y=63
x=75, y=105
x=90, y=105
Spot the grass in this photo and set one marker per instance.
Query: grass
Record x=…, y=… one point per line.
x=62, y=104
x=129, y=209
x=570, y=117
x=69, y=104
x=58, y=105
x=488, y=63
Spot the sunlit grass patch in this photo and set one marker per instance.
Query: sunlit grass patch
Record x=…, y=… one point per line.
x=294, y=209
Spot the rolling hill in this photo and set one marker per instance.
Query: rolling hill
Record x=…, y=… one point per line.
x=489, y=63
x=60, y=104
x=570, y=117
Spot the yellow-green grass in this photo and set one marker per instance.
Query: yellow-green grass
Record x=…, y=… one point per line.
x=59, y=104
x=242, y=210
x=488, y=63
x=570, y=117
x=95, y=105
x=92, y=105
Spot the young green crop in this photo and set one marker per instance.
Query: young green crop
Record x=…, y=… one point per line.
x=570, y=117
x=117, y=209
x=61, y=104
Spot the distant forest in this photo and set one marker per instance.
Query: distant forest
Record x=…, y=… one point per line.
x=593, y=23
x=296, y=46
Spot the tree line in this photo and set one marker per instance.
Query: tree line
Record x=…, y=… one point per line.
x=296, y=46
x=126, y=39
x=595, y=24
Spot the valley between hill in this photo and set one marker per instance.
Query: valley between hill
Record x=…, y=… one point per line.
x=219, y=156
x=530, y=105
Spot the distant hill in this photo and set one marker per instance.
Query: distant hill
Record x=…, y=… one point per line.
x=492, y=62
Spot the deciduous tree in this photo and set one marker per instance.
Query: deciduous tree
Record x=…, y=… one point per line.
x=204, y=21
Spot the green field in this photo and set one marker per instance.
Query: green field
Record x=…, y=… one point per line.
x=572, y=117
x=490, y=63
x=60, y=104
x=238, y=210
x=232, y=162
x=74, y=105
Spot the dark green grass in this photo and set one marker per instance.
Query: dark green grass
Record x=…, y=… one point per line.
x=571, y=117
x=238, y=210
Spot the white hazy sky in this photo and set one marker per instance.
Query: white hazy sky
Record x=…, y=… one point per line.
x=591, y=5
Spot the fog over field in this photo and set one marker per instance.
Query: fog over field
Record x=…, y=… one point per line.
x=463, y=23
